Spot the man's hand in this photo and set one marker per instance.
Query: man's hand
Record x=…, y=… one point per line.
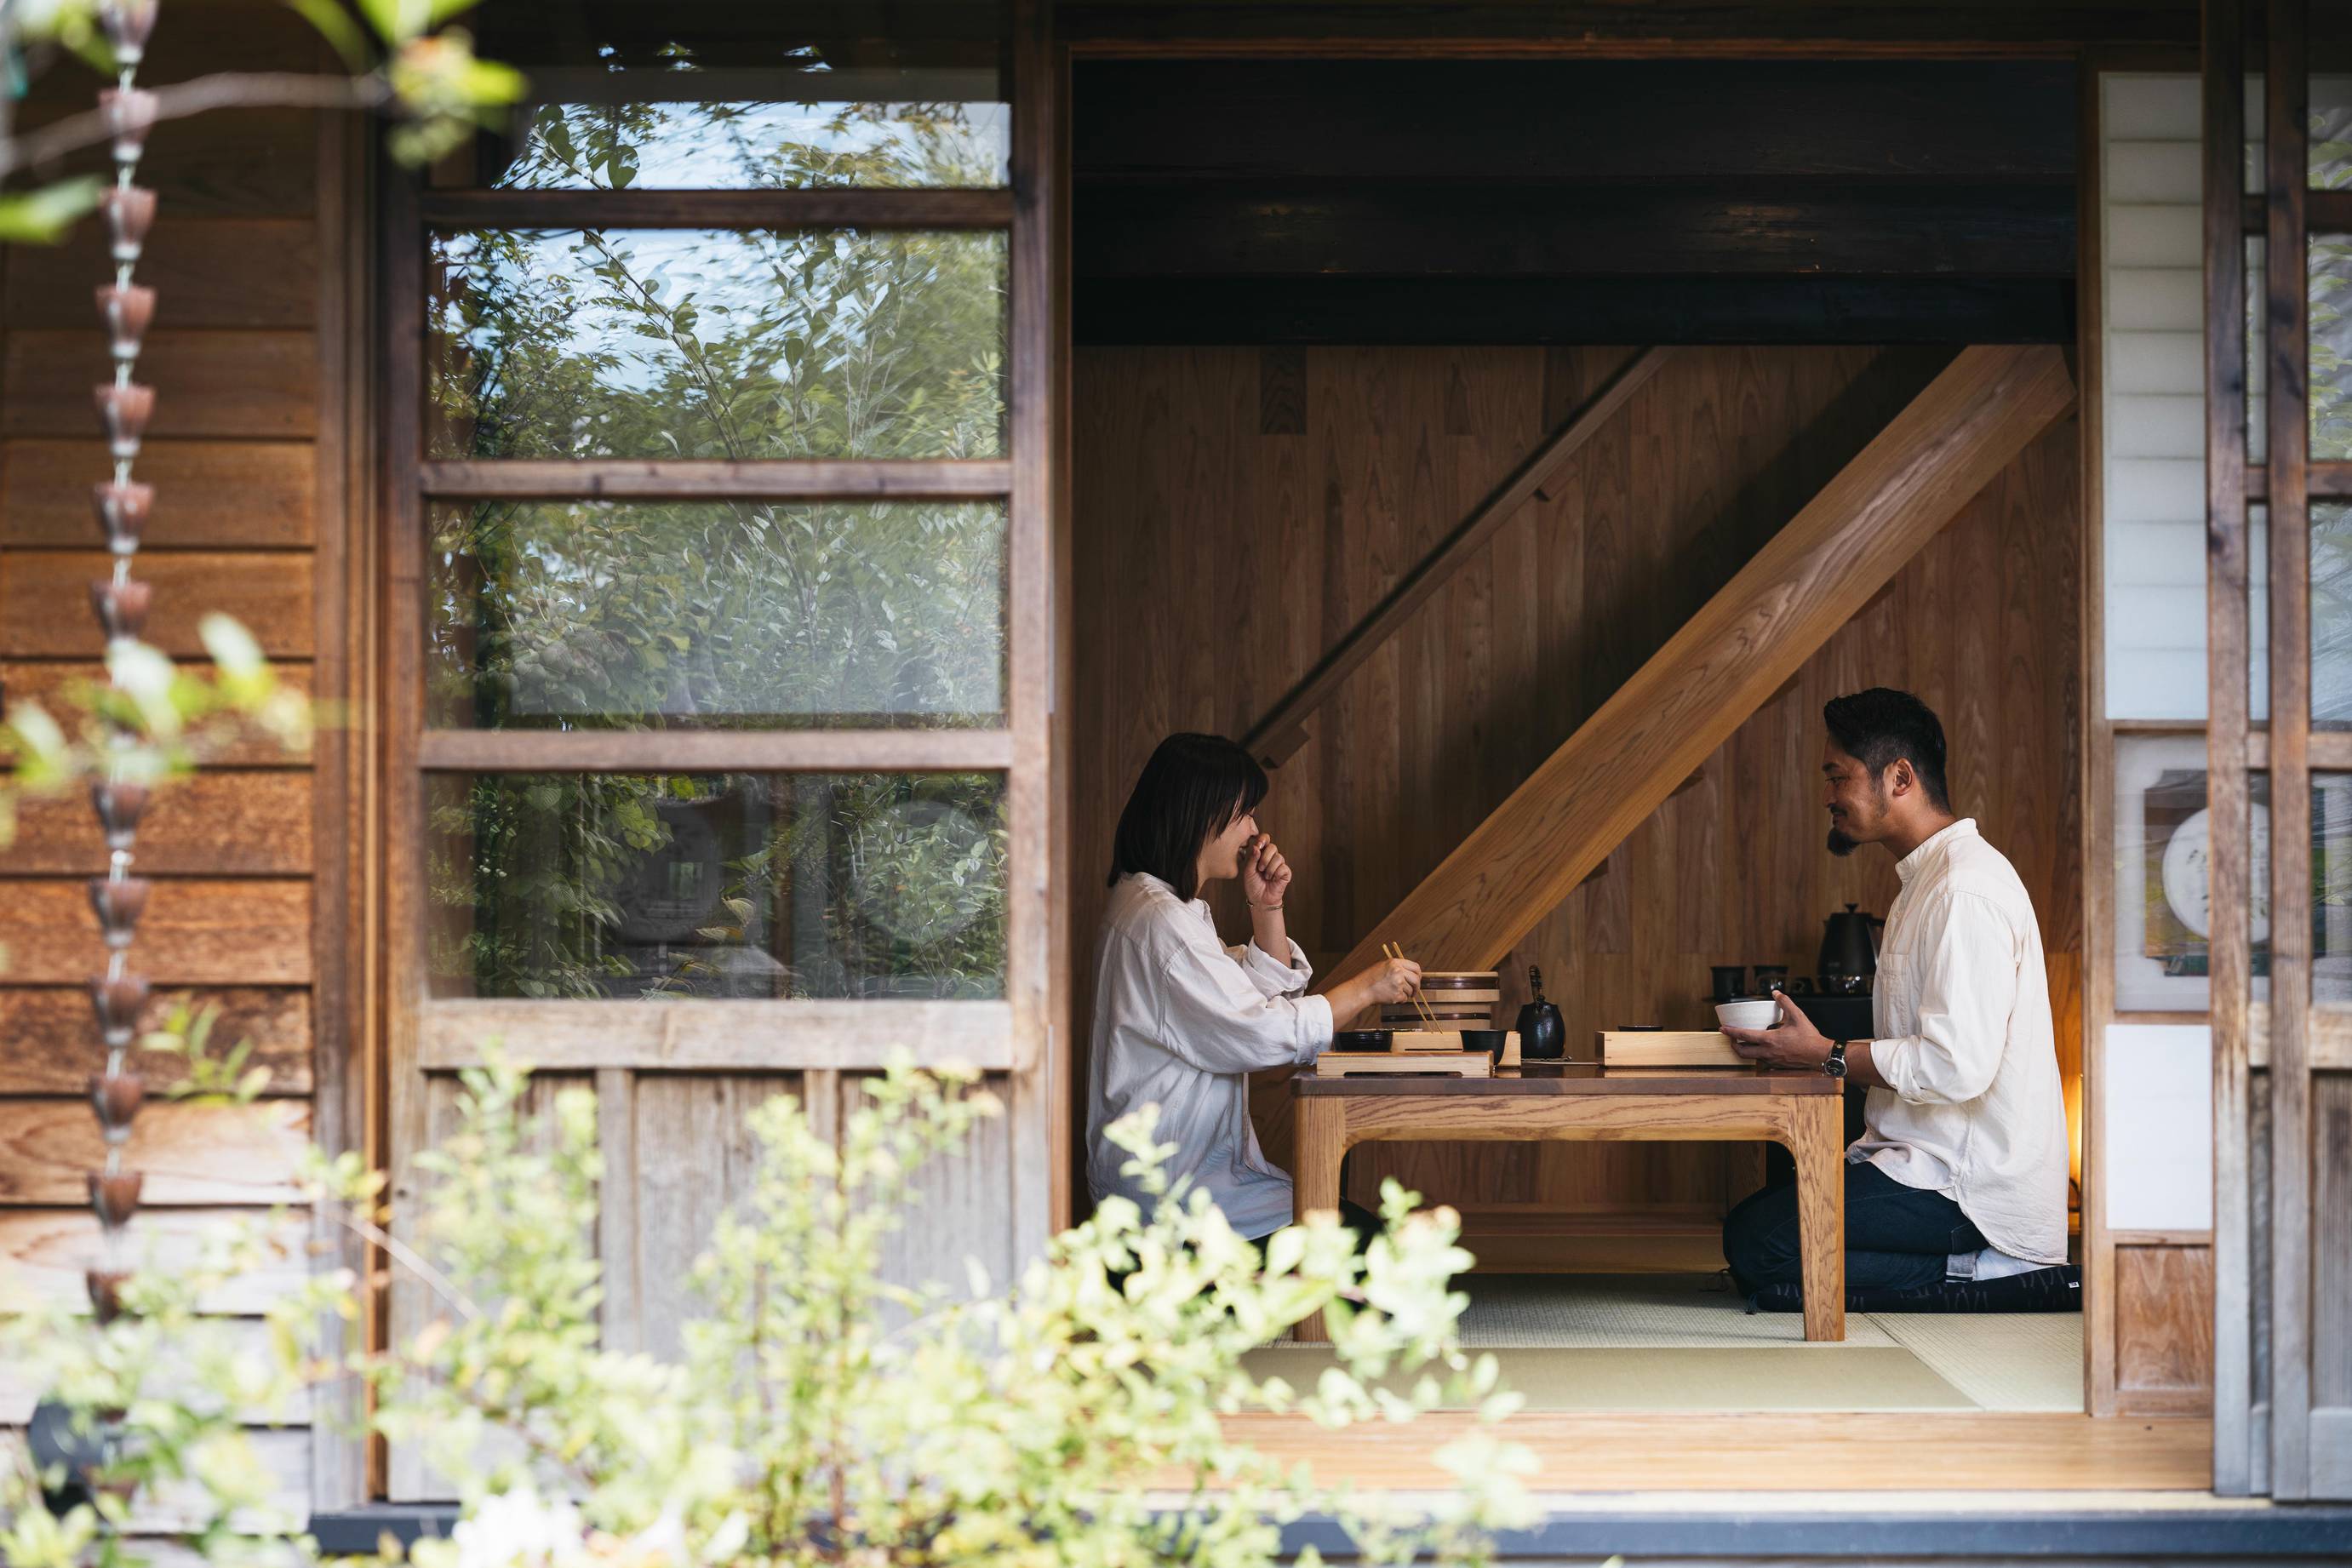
x=1791, y=1043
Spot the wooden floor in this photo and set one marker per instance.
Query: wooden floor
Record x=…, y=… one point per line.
x=1877, y=1451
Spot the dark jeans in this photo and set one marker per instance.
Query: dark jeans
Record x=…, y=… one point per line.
x=1895, y=1237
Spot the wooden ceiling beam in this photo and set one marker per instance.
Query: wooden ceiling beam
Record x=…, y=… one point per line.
x=1663, y=723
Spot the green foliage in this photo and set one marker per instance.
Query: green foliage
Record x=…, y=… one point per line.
x=403, y=59
x=191, y=1389
x=820, y=1414
x=46, y=215
x=150, y=723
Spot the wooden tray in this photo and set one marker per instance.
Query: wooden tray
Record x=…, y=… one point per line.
x=1453, y=1064
x=1669, y=1049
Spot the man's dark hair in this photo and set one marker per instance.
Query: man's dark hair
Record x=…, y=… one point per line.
x=1876, y=726
x=1190, y=790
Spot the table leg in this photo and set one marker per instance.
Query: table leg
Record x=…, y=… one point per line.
x=1818, y=1145
x=1319, y=1131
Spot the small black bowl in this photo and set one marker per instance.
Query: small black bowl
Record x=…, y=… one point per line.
x=1363, y=1039
x=1488, y=1040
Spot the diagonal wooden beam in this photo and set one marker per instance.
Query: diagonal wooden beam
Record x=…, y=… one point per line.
x=1283, y=731
x=1663, y=724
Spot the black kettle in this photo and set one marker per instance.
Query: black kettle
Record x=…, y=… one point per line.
x=1543, y=1032
x=1850, y=947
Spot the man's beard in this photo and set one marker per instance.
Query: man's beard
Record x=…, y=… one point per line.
x=1841, y=845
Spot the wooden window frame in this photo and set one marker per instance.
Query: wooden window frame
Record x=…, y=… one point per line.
x=1019, y=1039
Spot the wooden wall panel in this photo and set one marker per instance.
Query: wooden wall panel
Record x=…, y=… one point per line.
x=246, y=824
x=50, y=1046
x=218, y=495
x=250, y=162
x=691, y=1157
x=2164, y=1330
x=196, y=931
x=43, y=1252
x=255, y=385
x=45, y=601
x=1216, y=561
x=204, y=271
x=240, y=258
x=49, y=681
x=190, y=1153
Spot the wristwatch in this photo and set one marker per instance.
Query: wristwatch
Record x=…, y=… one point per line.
x=1834, y=1064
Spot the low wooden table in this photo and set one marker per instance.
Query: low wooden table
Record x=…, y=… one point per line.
x=1568, y=1101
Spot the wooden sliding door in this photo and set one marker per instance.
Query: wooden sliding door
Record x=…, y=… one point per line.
x=2278, y=276
x=719, y=675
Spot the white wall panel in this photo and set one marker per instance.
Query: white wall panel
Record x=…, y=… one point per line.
x=2152, y=360
x=2157, y=1107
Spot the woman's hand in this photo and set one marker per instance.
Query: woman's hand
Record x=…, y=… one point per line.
x=1390, y=980
x=1266, y=875
x=1395, y=980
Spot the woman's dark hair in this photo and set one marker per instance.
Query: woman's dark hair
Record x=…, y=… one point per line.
x=1190, y=790
x=1876, y=726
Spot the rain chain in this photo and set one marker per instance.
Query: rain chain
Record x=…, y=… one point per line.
x=120, y=795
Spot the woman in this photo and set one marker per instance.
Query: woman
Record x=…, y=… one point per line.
x=1181, y=1019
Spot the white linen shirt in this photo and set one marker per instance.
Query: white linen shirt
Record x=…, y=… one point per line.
x=1962, y=1011
x=1181, y=1022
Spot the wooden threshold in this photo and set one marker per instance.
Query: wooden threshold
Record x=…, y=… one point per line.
x=1882, y=1451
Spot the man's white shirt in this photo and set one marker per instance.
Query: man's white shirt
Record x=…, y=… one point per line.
x=1964, y=1039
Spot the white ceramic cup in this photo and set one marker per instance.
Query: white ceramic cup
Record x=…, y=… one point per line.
x=1760, y=1014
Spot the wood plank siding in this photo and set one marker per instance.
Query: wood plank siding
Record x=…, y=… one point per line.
x=241, y=258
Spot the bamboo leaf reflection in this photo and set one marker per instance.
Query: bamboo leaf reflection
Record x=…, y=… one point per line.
x=616, y=615
x=683, y=144
x=705, y=343
x=839, y=886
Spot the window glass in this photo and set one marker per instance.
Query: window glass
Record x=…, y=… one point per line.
x=659, y=343
x=606, y=615
x=766, y=886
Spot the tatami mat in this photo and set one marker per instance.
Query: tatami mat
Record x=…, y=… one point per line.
x=1834, y=1377
x=1676, y=1341
x=2003, y=1360
x=1618, y=1311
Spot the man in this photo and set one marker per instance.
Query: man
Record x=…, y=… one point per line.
x=1961, y=1170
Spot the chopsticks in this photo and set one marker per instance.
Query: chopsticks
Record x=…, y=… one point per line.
x=1427, y=1014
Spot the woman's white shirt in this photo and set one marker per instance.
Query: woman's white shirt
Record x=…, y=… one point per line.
x=1180, y=1020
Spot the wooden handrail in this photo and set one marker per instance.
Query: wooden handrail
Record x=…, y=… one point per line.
x=1273, y=738
x=1820, y=569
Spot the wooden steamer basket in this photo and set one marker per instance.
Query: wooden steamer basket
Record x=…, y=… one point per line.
x=1454, y=999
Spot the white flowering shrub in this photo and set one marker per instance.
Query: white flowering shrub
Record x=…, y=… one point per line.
x=820, y=1415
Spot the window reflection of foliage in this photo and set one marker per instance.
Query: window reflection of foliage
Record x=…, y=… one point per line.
x=2331, y=348
x=848, y=886
x=538, y=893
x=692, y=344
x=607, y=614
x=753, y=344
x=605, y=146
x=2331, y=613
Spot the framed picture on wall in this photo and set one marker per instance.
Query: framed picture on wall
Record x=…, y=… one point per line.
x=2163, y=833
x=2176, y=840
